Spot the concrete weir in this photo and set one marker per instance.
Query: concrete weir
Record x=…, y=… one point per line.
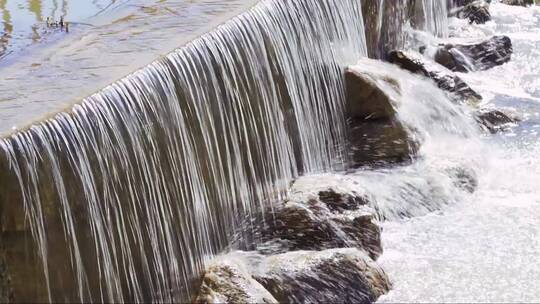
x=124, y=194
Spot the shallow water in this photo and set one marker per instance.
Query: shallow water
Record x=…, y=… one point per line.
x=24, y=22
x=483, y=248
x=47, y=78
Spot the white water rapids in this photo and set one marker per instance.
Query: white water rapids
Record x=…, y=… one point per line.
x=484, y=248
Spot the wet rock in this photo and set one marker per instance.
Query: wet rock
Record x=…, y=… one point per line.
x=518, y=2
x=494, y=120
x=376, y=136
x=379, y=143
x=444, y=78
x=476, y=12
x=341, y=202
x=481, y=56
x=331, y=276
x=368, y=96
x=313, y=226
x=227, y=283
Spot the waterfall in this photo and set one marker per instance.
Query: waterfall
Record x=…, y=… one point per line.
x=385, y=21
x=435, y=17
x=128, y=194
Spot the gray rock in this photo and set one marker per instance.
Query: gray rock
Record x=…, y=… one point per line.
x=481, y=56
x=518, y=2
x=475, y=11
x=444, y=78
x=331, y=276
x=316, y=225
x=494, y=120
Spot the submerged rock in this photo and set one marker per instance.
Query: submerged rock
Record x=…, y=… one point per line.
x=227, y=283
x=443, y=77
x=494, y=120
x=377, y=137
x=464, y=178
x=331, y=276
x=475, y=11
x=481, y=56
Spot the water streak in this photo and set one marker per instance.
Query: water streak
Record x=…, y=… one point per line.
x=152, y=175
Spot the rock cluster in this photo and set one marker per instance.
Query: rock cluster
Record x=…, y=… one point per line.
x=318, y=249
x=443, y=77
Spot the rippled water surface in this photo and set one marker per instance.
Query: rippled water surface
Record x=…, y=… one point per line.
x=57, y=73
x=24, y=21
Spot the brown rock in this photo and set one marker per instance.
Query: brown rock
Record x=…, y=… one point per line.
x=226, y=283
x=330, y=276
x=376, y=136
x=313, y=226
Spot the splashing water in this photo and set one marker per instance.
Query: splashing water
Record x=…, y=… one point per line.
x=450, y=149
x=484, y=248
x=153, y=174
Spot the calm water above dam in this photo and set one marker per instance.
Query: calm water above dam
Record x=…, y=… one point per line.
x=23, y=21
x=39, y=79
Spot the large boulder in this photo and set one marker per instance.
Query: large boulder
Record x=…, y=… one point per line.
x=331, y=220
x=377, y=137
x=444, y=78
x=480, y=56
x=226, y=282
x=331, y=276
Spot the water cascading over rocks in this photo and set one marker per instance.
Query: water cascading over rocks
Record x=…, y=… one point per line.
x=387, y=21
x=126, y=196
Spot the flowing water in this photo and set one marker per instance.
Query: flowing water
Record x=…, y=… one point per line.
x=484, y=247
x=149, y=177
x=132, y=192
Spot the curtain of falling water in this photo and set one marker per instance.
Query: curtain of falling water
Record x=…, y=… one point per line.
x=127, y=195
x=385, y=21
x=436, y=17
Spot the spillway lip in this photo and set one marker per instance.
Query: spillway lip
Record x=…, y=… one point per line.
x=36, y=117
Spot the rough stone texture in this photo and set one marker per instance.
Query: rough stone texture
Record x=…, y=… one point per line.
x=476, y=12
x=316, y=225
x=481, y=56
x=376, y=136
x=518, y=2
x=443, y=77
x=494, y=120
x=226, y=283
x=331, y=276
